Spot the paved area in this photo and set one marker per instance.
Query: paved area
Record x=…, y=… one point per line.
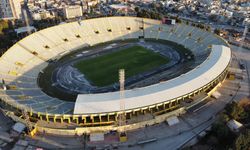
x=55, y=142
x=5, y=123
x=5, y=127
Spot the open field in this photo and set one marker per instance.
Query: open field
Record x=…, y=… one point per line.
x=103, y=70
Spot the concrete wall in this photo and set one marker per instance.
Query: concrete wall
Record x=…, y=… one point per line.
x=87, y=130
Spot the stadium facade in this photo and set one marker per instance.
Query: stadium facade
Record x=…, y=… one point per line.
x=22, y=63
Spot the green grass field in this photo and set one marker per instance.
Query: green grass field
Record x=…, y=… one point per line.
x=103, y=70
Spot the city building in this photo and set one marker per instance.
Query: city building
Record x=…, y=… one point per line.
x=43, y=15
x=72, y=11
x=10, y=9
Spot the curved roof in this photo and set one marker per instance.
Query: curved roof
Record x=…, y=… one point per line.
x=202, y=75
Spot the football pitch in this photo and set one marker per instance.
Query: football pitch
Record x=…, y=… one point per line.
x=103, y=70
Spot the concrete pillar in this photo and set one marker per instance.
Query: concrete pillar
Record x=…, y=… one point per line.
x=76, y=119
x=84, y=119
x=116, y=117
x=130, y=115
x=67, y=118
x=92, y=119
x=54, y=119
x=170, y=104
x=134, y=112
x=150, y=110
x=100, y=118
x=47, y=117
x=31, y=112
x=108, y=117
x=69, y=121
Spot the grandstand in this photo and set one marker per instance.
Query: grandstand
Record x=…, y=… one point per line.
x=22, y=63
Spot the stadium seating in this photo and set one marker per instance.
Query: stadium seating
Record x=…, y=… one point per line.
x=22, y=63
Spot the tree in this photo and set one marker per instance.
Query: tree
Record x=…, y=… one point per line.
x=200, y=26
x=178, y=20
x=137, y=9
x=217, y=31
x=235, y=111
x=224, y=117
x=243, y=141
x=224, y=135
x=3, y=25
x=220, y=130
x=208, y=28
x=213, y=18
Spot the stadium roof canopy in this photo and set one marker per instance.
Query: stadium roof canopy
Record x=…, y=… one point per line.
x=197, y=78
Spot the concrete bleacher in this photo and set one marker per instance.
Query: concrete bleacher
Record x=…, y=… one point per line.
x=22, y=63
x=152, y=28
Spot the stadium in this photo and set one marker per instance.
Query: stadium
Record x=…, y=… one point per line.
x=129, y=39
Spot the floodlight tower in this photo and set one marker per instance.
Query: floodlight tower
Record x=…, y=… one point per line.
x=122, y=115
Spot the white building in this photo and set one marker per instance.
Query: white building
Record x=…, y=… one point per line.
x=234, y=125
x=10, y=9
x=246, y=21
x=73, y=11
x=43, y=14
